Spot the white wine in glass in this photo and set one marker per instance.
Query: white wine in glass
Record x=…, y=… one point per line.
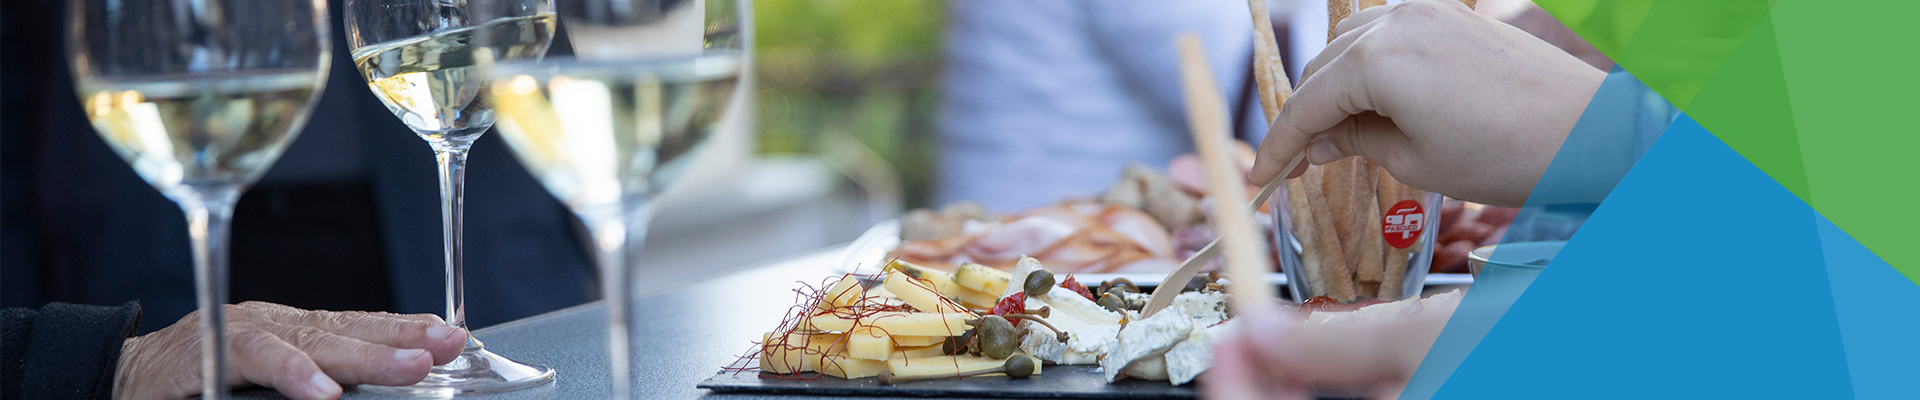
x=425, y=60
x=604, y=137
x=200, y=97
x=434, y=83
x=181, y=133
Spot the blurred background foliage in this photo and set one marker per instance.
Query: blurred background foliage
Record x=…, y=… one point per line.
x=854, y=82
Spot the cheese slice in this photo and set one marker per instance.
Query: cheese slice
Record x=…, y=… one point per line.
x=916, y=352
x=846, y=291
x=975, y=298
x=801, y=352
x=851, y=368
x=919, y=294
x=941, y=281
x=949, y=366
x=917, y=341
x=982, y=278
x=869, y=343
x=896, y=323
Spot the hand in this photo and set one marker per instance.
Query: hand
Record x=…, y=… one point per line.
x=304, y=354
x=1447, y=100
x=1276, y=357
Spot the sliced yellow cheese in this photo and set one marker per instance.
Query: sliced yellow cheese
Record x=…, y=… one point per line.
x=917, y=341
x=869, y=343
x=944, y=366
x=977, y=299
x=897, y=323
x=918, y=294
x=844, y=292
x=852, y=368
x=916, y=352
x=801, y=352
x=941, y=281
x=982, y=278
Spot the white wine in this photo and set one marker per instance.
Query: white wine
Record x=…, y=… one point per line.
x=591, y=131
x=181, y=131
x=433, y=82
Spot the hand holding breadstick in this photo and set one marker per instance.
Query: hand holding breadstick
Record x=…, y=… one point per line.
x=1433, y=118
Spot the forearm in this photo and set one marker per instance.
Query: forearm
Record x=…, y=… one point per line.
x=1601, y=148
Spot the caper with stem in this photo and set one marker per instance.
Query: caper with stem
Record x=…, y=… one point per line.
x=1021, y=367
x=995, y=337
x=1039, y=282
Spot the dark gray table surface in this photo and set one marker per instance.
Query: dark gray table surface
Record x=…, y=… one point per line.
x=684, y=334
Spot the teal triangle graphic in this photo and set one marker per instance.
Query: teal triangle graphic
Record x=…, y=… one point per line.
x=1699, y=277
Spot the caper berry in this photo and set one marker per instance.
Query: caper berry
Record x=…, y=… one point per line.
x=996, y=337
x=956, y=345
x=1019, y=367
x=1112, y=302
x=1039, y=282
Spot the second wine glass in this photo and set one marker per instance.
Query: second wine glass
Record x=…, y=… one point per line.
x=424, y=60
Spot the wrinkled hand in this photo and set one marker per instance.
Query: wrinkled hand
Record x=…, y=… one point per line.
x=304, y=354
x=1447, y=100
x=1276, y=357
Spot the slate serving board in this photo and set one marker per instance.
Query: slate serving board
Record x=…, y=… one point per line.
x=1054, y=382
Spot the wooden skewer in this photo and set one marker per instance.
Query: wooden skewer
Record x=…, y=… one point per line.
x=1207, y=118
x=1170, y=286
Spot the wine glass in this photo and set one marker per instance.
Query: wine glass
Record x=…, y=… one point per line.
x=200, y=96
x=608, y=130
x=423, y=59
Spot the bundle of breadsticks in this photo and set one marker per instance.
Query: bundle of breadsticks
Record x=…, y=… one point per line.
x=1337, y=208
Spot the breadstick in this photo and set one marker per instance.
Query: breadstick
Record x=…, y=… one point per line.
x=1311, y=257
x=1366, y=245
x=1268, y=72
x=1335, y=268
x=1337, y=10
x=1246, y=256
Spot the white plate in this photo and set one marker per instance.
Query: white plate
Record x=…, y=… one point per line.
x=868, y=255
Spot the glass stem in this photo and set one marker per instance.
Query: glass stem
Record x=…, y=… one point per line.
x=452, y=155
x=209, y=213
x=618, y=232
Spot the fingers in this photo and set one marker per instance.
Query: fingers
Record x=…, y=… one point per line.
x=262, y=358
x=1238, y=374
x=1320, y=104
x=352, y=361
x=417, y=331
x=1368, y=135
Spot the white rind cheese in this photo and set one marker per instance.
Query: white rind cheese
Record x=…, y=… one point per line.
x=1146, y=338
x=1206, y=308
x=1190, y=357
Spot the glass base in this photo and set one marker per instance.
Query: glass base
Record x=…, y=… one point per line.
x=477, y=371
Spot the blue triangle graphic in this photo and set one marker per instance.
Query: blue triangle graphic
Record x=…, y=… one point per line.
x=1878, y=320
x=1699, y=277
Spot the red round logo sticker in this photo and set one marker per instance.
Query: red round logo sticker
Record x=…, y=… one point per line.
x=1402, y=223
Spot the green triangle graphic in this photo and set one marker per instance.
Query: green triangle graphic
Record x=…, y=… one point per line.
x=1746, y=106
x=1815, y=93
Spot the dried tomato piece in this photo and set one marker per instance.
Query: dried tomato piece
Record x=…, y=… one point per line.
x=1075, y=286
x=1015, y=304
